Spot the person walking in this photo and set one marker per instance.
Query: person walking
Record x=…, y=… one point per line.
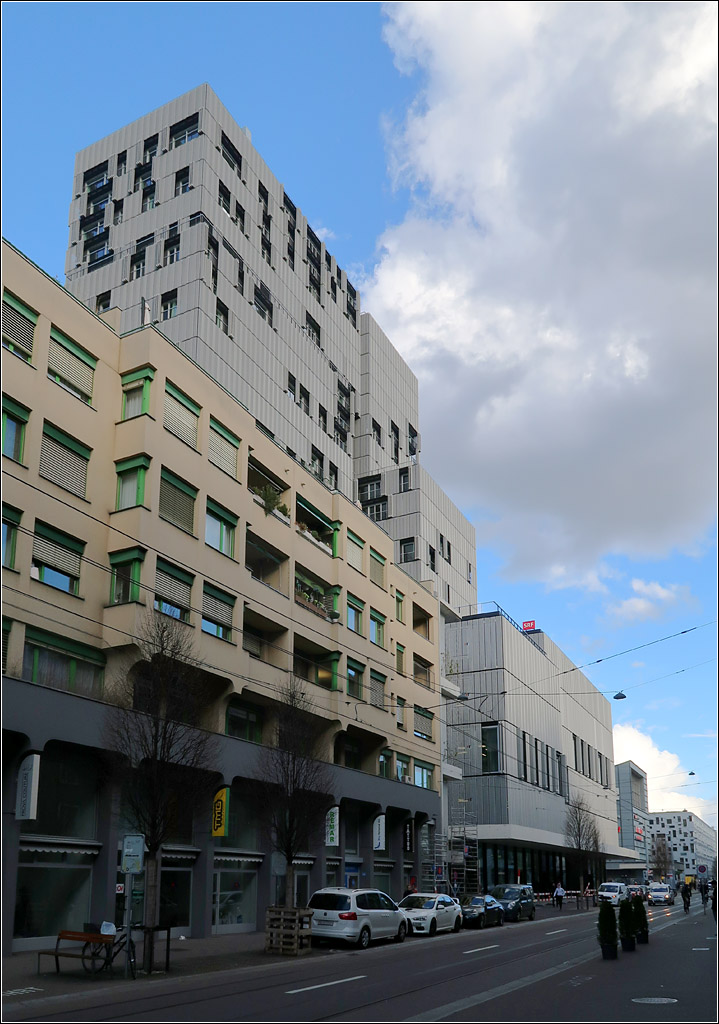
x=686, y=897
x=559, y=894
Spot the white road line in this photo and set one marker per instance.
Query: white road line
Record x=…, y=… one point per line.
x=293, y=991
x=700, y=949
x=480, y=950
x=558, y=932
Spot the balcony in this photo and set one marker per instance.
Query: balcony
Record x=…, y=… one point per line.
x=315, y=527
x=266, y=563
x=423, y=672
x=315, y=664
x=421, y=621
x=314, y=594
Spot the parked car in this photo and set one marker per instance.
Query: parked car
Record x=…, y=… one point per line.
x=661, y=895
x=612, y=892
x=356, y=915
x=481, y=911
x=636, y=890
x=431, y=912
x=517, y=900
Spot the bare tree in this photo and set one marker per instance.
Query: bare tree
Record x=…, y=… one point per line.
x=582, y=833
x=294, y=782
x=662, y=860
x=164, y=754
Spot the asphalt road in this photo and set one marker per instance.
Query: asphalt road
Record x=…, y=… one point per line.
x=546, y=970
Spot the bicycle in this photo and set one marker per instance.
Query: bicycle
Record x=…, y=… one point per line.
x=97, y=956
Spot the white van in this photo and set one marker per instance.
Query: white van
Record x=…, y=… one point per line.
x=612, y=892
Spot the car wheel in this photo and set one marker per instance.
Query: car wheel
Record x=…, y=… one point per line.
x=519, y=913
x=533, y=914
x=457, y=924
x=480, y=921
x=432, y=928
x=363, y=940
x=501, y=920
x=401, y=933
x=410, y=929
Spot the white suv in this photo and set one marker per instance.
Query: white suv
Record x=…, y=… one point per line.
x=356, y=915
x=612, y=892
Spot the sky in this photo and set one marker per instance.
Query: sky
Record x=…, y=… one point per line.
x=525, y=194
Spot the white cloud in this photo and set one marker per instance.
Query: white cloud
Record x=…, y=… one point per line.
x=665, y=774
x=553, y=284
x=324, y=234
x=652, y=601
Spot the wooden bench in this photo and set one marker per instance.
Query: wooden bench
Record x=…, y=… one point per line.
x=75, y=953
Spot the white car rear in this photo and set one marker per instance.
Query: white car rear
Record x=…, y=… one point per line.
x=356, y=915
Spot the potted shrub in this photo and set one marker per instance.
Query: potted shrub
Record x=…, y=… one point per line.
x=626, y=926
x=283, y=510
x=641, y=924
x=607, y=931
x=270, y=497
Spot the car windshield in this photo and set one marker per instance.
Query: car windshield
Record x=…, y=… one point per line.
x=477, y=901
x=505, y=892
x=661, y=888
x=418, y=903
x=329, y=901
x=608, y=888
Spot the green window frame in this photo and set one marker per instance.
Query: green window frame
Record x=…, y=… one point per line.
x=14, y=421
x=136, y=392
x=399, y=606
x=377, y=683
x=71, y=366
x=181, y=415
x=355, y=676
x=244, y=721
x=131, y=481
x=217, y=611
x=177, y=501
x=6, y=627
x=385, y=764
x=64, y=460
x=173, y=590
x=423, y=723
x=355, y=550
x=220, y=526
x=376, y=627
x=377, y=567
x=56, y=558
x=355, y=608
x=423, y=774
x=402, y=766
x=62, y=663
x=126, y=572
x=399, y=659
x=401, y=705
x=223, y=448
x=18, y=326
x=10, y=522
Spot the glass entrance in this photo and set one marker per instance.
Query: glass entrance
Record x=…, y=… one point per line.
x=302, y=888
x=234, y=901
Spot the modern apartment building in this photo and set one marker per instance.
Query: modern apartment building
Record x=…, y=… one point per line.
x=533, y=740
x=176, y=219
x=689, y=840
x=633, y=830
x=136, y=485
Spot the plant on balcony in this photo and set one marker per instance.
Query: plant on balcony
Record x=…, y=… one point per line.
x=284, y=510
x=270, y=497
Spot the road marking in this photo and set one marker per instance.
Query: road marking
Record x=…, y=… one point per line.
x=21, y=991
x=481, y=949
x=654, y=1000
x=558, y=932
x=327, y=984
x=700, y=949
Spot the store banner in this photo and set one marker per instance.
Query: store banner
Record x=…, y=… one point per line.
x=379, y=833
x=332, y=827
x=220, y=809
x=28, y=780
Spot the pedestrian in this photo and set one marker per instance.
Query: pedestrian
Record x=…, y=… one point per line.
x=559, y=894
x=714, y=902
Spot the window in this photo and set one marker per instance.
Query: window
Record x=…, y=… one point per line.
x=423, y=775
x=355, y=673
x=122, y=162
x=222, y=448
x=432, y=562
x=244, y=721
x=412, y=442
x=399, y=606
x=181, y=415
x=71, y=366
x=102, y=303
x=63, y=460
x=377, y=432
x=376, y=567
x=14, y=421
x=304, y=400
x=131, y=481
x=169, y=304
x=118, y=211
x=376, y=510
x=322, y=414
x=217, y=608
x=184, y=131
x=125, y=581
x=136, y=392
x=313, y=329
x=137, y=266
x=449, y=552
x=355, y=549
x=399, y=659
x=490, y=748
x=10, y=521
x=172, y=250
x=62, y=663
x=355, y=608
x=182, y=181
x=291, y=387
x=150, y=149
x=263, y=303
x=333, y=477
x=222, y=317
x=177, y=501
x=370, y=488
x=406, y=549
x=377, y=684
x=469, y=572
x=18, y=326
x=400, y=713
x=223, y=197
x=376, y=627
x=220, y=528
x=56, y=558
x=317, y=463
x=423, y=723
x=402, y=768
x=173, y=590
x=394, y=430
x=148, y=198
x=385, y=764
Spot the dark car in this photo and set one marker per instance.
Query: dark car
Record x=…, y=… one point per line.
x=481, y=911
x=517, y=901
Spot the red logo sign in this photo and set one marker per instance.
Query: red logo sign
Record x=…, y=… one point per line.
x=528, y=625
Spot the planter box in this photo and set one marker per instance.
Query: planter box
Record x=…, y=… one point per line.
x=288, y=931
x=609, y=952
x=628, y=945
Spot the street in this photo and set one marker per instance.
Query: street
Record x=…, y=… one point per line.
x=547, y=970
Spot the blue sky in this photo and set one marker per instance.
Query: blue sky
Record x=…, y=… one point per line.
x=526, y=196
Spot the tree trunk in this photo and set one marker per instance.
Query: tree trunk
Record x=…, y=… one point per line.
x=152, y=905
x=290, y=885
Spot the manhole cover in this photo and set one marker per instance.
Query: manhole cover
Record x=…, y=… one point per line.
x=654, y=1000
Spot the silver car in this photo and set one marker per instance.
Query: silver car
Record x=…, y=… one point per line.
x=358, y=916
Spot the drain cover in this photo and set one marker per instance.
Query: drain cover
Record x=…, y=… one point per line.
x=654, y=1000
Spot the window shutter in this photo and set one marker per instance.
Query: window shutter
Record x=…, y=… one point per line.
x=376, y=690
x=17, y=325
x=56, y=556
x=180, y=420
x=376, y=568
x=222, y=452
x=176, y=505
x=70, y=367
x=252, y=644
x=217, y=608
x=176, y=591
x=63, y=466
x=354, y=554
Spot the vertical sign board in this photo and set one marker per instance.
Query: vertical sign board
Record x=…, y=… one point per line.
x=529, y=624
x=332, y=827
x=379, y=836
x=220, y=812
x=28, y=780
x=408, y=836
x=133, y=855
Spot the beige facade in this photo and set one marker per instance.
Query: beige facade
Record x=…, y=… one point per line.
x=134, y=484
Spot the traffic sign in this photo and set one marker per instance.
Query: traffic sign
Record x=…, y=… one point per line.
x=120, y=889
x=702, y=869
